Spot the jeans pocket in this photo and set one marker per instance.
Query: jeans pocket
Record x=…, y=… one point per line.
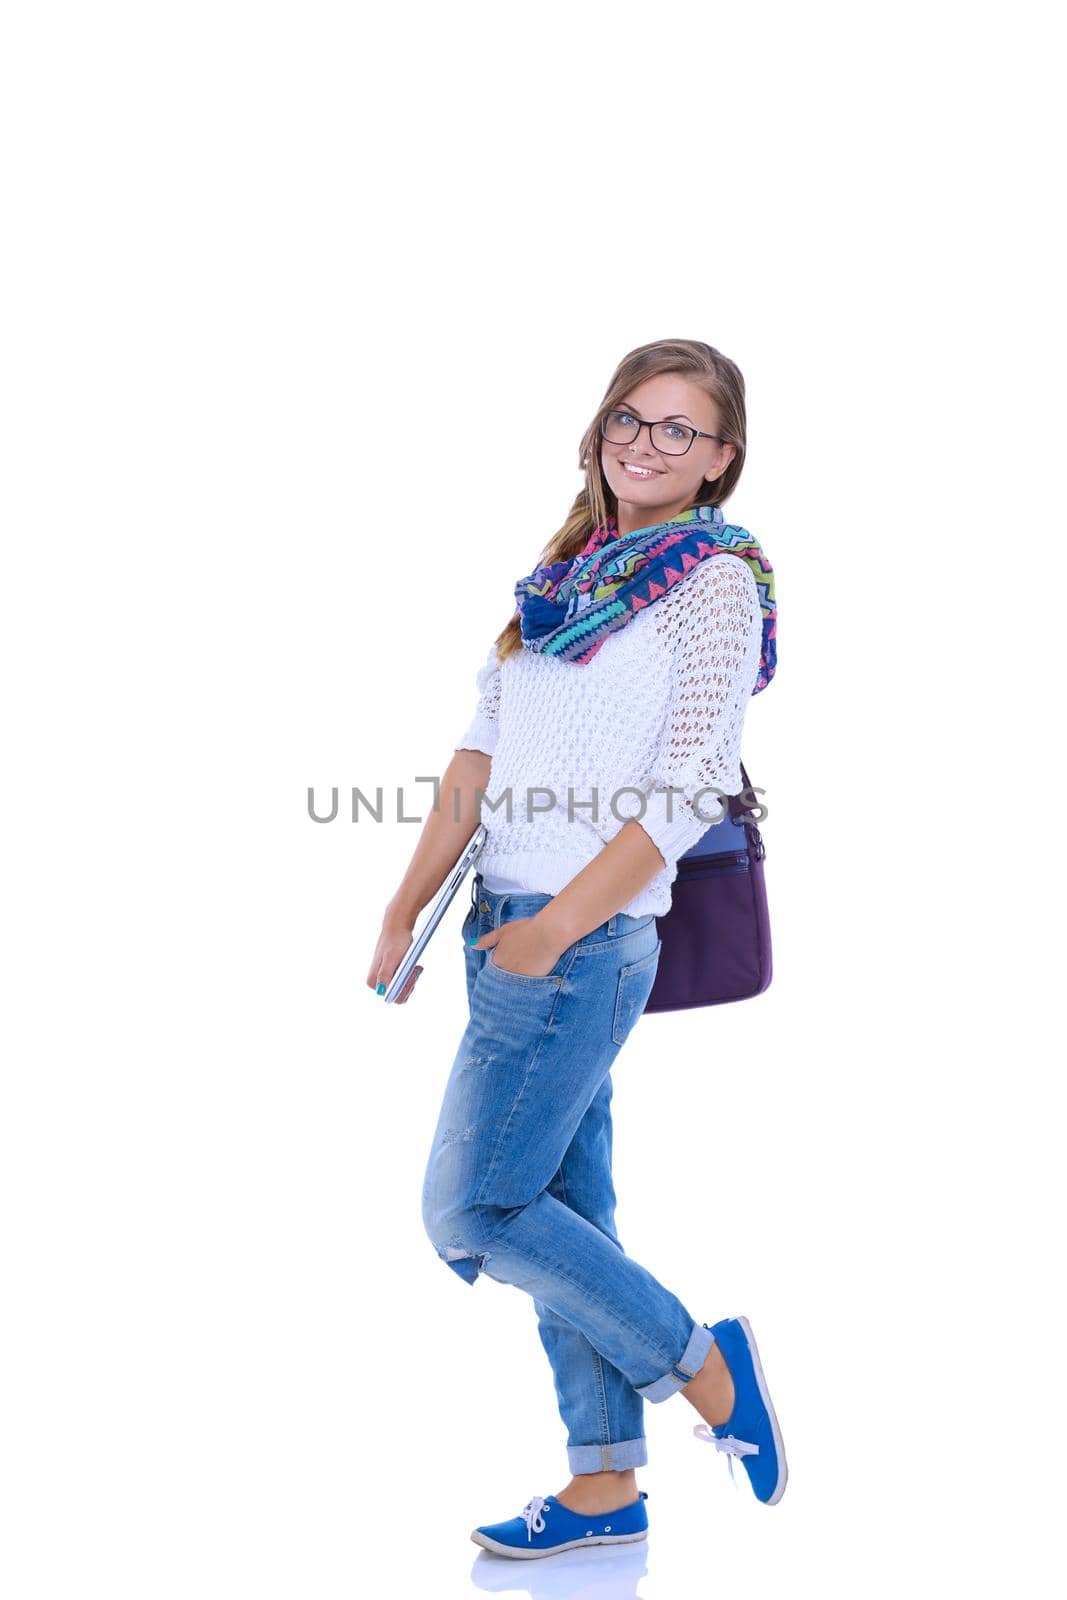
x=553, y=977
x=635, y=986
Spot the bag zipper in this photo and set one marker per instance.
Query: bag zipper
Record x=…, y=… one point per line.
x=721, y=861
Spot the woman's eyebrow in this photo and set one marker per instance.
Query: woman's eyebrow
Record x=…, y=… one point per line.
x=675, y=416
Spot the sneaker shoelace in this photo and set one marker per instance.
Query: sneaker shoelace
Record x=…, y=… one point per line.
x=531, y=1512
x=729, y=1446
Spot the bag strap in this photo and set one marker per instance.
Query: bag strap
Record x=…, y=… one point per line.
x=744, y=812
x=739, y=809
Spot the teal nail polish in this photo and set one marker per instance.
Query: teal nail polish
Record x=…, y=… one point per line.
x=380, y=989
x=473, y=941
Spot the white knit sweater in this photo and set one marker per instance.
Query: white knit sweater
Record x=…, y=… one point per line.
x=661, y=703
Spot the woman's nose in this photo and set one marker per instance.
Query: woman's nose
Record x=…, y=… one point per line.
x=642, y=445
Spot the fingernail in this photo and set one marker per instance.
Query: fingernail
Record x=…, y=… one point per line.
x=473, y=941
x=380, y=989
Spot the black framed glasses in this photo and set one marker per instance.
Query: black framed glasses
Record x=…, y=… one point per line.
x=673, y=438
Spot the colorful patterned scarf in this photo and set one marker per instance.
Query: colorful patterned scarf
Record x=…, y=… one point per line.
x=568, y=609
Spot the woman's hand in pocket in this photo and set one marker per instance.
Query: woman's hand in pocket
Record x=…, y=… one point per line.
x=522, y=946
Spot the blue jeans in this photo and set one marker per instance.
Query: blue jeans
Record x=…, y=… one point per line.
x=518, y=1183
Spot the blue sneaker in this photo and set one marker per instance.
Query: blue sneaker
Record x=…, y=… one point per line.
x=751, y=1430
x=546, y=1526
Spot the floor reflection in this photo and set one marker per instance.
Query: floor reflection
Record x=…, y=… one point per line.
x=603, y=1572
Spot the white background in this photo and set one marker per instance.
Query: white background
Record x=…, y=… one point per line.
x=306, y=310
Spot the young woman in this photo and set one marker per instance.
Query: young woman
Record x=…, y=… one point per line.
x=607, y=729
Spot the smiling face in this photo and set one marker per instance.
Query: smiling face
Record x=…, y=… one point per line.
x=651, y=485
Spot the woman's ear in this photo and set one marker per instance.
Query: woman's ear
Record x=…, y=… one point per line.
x=729, y=451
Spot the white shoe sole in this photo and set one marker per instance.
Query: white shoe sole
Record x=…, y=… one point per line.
x=571, y=1544
x=776, y=1432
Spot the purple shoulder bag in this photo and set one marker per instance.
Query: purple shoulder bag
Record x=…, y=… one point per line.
x=716, y=937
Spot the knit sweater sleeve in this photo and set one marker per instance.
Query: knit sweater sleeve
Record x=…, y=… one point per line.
x=481, y=732
x=715, y=666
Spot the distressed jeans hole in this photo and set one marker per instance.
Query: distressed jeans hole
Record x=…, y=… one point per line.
x=480, y=1061
x=457, y=1135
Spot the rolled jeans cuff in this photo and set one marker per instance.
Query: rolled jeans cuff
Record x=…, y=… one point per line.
x=618, y=1457
x=687, y=1366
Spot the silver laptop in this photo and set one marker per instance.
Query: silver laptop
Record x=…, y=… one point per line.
x=444, y=899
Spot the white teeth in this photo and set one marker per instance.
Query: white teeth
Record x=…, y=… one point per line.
x=640, y=472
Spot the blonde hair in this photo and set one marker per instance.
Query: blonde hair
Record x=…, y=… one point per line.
x=710, y=370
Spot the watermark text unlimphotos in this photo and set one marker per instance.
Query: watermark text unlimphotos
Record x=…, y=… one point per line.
x=539, y=799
